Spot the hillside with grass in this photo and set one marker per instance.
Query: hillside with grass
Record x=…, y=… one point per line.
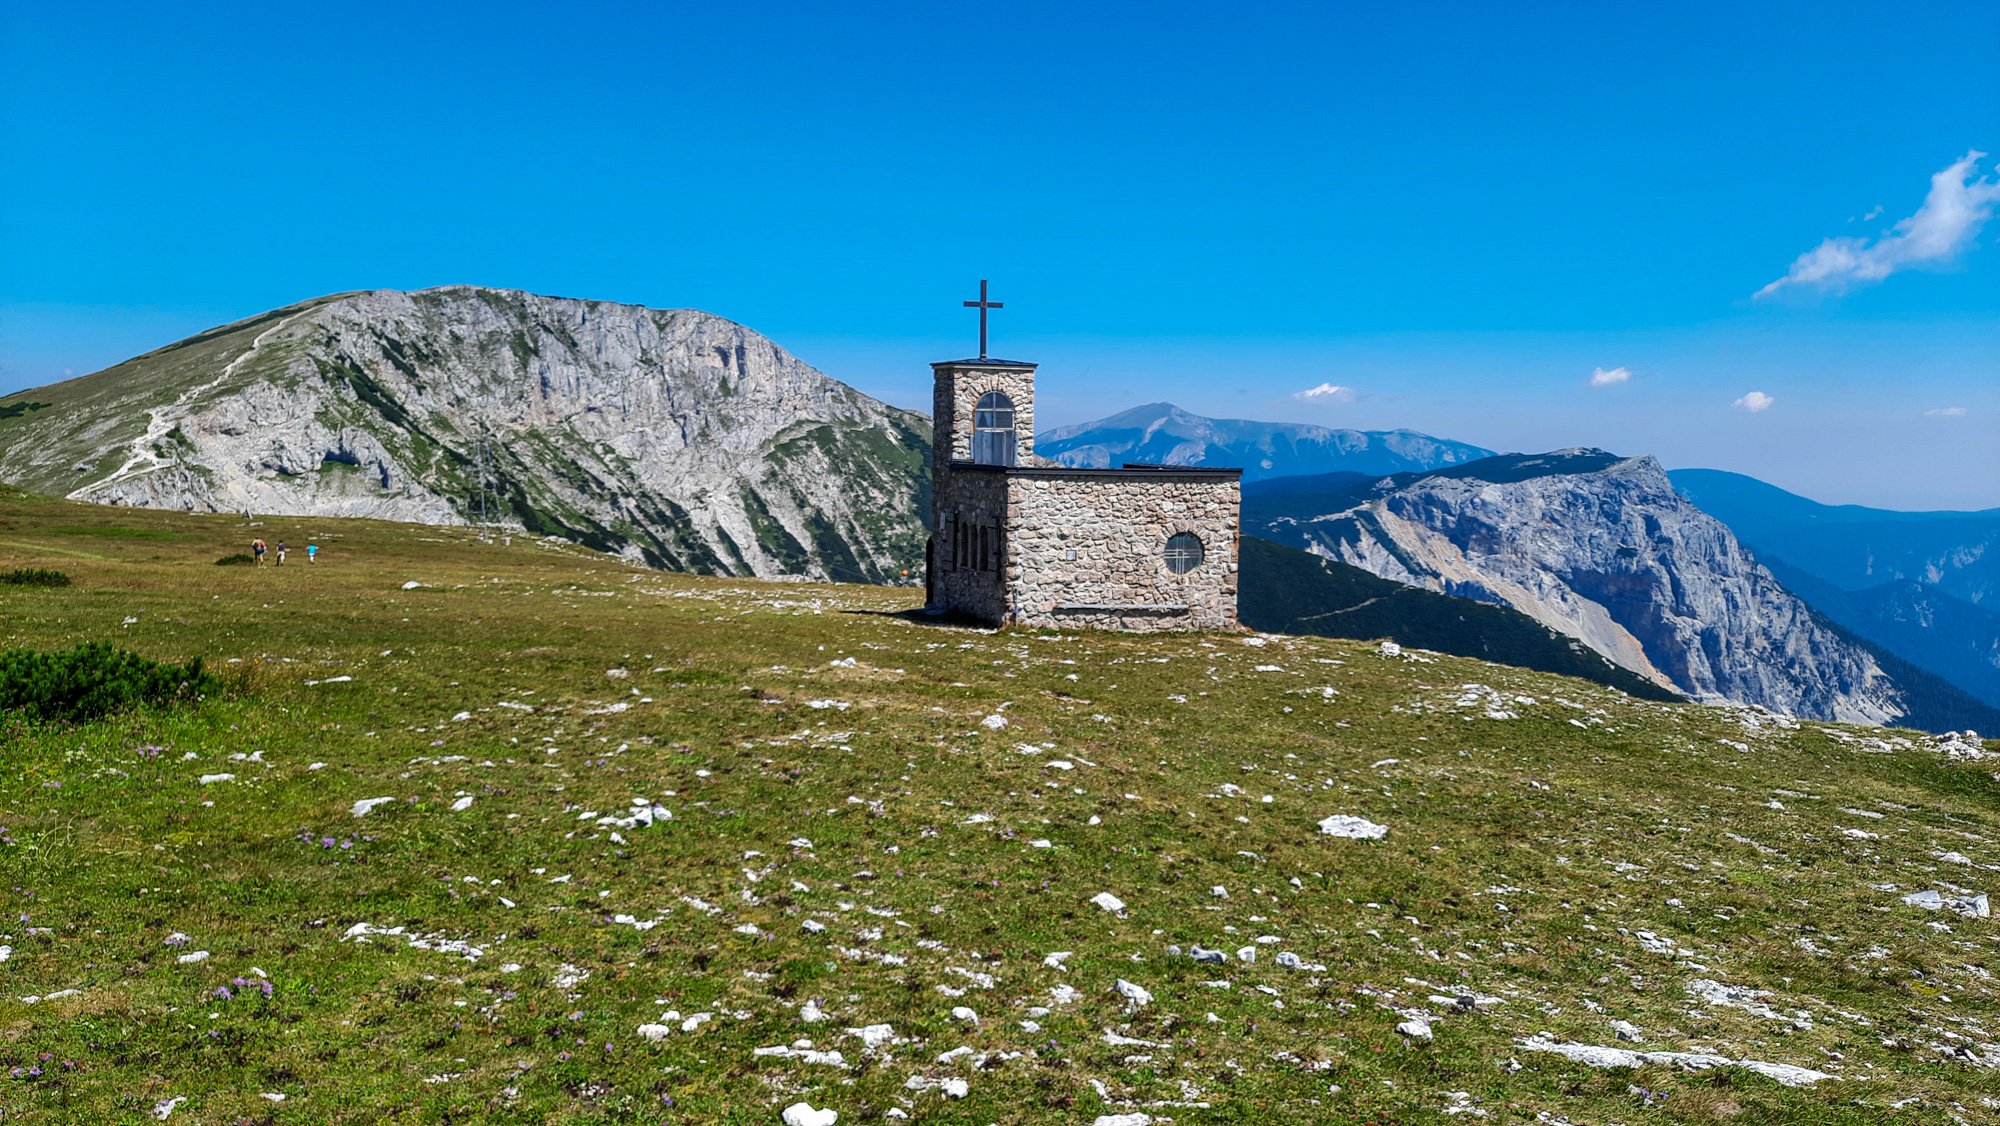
x=515, y=832
x=1284, y=590
x=673, y=437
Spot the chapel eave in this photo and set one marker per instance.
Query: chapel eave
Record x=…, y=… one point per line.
x=1164, y=472
x=985, y=362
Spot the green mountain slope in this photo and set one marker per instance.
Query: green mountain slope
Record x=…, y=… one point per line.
x=548, y=838
x=1284, y=590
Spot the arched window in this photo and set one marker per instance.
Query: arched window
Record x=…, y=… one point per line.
x=993, y=430
x=1183, y=552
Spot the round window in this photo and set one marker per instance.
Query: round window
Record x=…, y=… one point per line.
x=1183, y=552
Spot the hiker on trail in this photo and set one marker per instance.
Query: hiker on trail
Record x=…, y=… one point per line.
x=257, y=549
x=281, y=553
x=312, y=553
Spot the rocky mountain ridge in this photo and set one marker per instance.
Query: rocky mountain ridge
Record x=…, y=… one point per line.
x=669, y=436
x=1603, y=549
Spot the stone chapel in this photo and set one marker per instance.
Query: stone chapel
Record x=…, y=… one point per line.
x=1018, y=539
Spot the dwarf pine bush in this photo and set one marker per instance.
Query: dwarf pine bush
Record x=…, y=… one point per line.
x=34, y=576
x=93, y=680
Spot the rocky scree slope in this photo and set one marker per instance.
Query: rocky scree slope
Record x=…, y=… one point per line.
x=1600, y=548
x=670, y=436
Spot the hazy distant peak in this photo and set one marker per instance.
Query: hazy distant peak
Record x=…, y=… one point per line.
x=1163, y=433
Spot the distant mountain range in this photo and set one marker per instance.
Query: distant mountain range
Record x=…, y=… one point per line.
x=1601, y=548
x=1164, y=434
x=1850, y=546
x=1921, y=585
x=670, y=436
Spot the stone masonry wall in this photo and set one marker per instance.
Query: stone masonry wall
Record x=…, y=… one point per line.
x=971, y=503
x=1117, y=526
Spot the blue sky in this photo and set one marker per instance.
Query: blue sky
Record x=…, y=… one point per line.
x=1454, y=214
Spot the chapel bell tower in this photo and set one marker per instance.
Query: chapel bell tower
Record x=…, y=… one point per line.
x=982, y=409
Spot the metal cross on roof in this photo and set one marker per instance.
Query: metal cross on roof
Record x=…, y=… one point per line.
x=982, y=305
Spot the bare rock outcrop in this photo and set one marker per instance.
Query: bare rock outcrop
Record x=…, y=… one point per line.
x=670, y=436
x=1603, y=549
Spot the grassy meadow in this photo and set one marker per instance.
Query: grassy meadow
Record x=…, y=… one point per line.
x=547, y=838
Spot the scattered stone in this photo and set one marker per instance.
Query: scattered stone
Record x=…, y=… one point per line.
x=873, y=1036
x=1139, y=995
x=654, y=1032
x=1210, y=957
x=803, y=1114
x=1970, y=906
x=804, y=1054
x=1108, y=901
x=1353, y=828
x=366, y=806
x=1415, y=1028
x=1593, y=1056
x=1626, y=1030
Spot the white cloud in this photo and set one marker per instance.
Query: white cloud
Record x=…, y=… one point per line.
x=1601, y=378
x=1753, y=402
x=1326, y=393
x=1946, y=412
x=1943, y=228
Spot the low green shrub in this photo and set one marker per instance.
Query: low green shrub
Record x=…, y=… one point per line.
x=93, y=680
x=34, y=576
x=234, y=560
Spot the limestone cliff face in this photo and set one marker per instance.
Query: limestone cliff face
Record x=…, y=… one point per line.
x=1604, y=550
x=670, y=436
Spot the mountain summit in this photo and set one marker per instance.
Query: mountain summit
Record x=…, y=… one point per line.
x=1164, y=434
x=1603, y=549
x=670, y=436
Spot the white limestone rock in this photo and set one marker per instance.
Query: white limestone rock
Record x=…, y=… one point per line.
x=686, y=435
x=803, y=1114
x=1605, y=550
x=1353, y=828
